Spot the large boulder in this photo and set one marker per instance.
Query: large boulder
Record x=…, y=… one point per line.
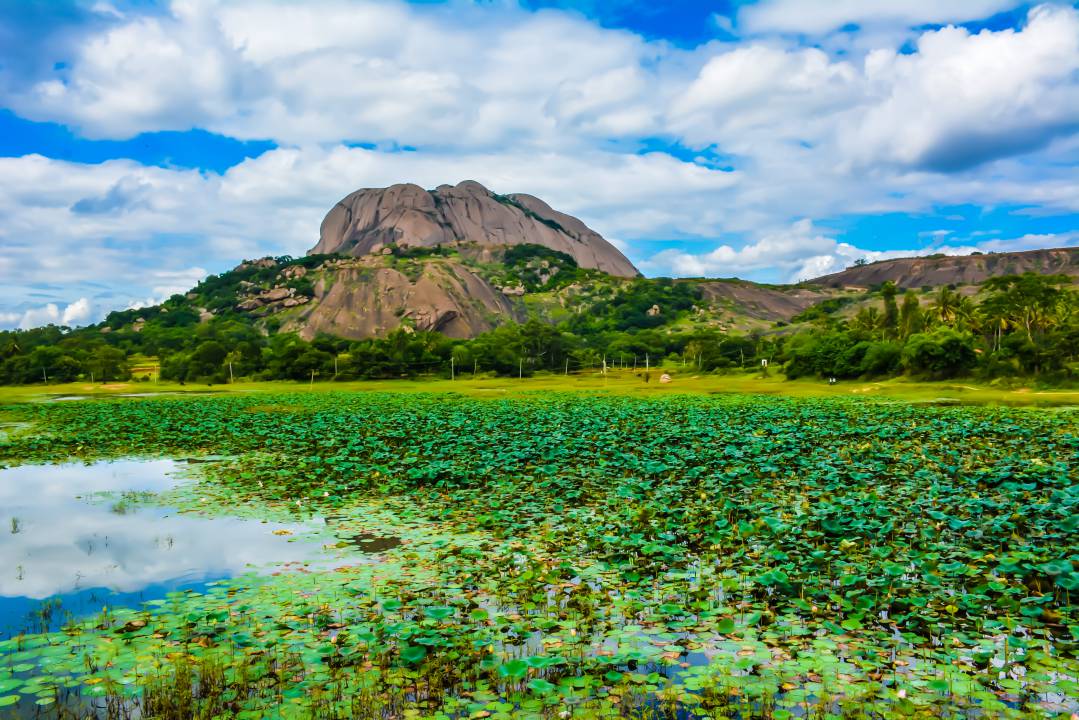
x=406, y=215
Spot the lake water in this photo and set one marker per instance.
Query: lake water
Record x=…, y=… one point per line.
x=75, y=538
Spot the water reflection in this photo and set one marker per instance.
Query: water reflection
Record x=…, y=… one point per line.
x=370, y=543
x=72, y=530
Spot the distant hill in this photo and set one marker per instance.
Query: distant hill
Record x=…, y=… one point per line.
x=937, y=270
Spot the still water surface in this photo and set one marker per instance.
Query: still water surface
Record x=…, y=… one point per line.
x=76, y=537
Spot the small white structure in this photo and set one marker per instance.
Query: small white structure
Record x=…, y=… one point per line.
x=664, y=378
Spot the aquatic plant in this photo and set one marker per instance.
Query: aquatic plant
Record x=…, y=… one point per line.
x=591, y=557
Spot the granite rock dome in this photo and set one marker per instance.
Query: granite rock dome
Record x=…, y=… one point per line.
x=407, y=215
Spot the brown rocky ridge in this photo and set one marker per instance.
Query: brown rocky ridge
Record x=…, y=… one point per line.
x=936, y=270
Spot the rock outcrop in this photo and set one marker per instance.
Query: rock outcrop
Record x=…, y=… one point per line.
x=369, y=220
x=370, y=300
x=761, y=302
x=918, y=272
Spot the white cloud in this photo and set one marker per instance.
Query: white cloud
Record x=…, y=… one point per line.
x=798, y=252
x=959, y=101
x=813, y=17
x=171, y=282
x=804, y=251
x=761, y=96
x=462, y=77
x=541, y=102
x=963, y=99
x=466, y=78
x=77, y=313
x=367, y=71
x=1031, y=242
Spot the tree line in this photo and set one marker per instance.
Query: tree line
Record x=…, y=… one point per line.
x=1020, y=325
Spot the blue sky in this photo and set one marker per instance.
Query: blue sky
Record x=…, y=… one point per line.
x=145, y=144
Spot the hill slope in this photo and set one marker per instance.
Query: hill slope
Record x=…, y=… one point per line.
x=467, y=290
x=933, y=271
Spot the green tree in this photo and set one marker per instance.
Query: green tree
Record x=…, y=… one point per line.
x=945, y=307
x=943, y=353
x=890, y=319
x=866, y=322
x=911, y=318
x=1028, y=301
x=207, y=361
x=109, y=363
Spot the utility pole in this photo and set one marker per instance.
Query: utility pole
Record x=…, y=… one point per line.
x=605, y=365
x=451, y=368
x=231, y=378
x=312, y=377
x=520, y=368
x=475, y=365
x=567, y=365
x=44, y=375
x=335, y=367
x=646, y=363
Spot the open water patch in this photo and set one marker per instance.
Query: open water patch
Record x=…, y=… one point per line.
x=76, y=538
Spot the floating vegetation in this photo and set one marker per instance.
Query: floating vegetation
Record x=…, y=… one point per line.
x=567, y=556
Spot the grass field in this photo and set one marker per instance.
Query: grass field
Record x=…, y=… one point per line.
x=615, y=383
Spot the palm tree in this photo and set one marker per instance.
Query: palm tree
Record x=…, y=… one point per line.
x=945, y=306
x=995, y=319
x=966, y=314
x=867, y=320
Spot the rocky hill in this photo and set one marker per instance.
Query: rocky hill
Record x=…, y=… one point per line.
x=372, y=220
x=936, y=270
x=366, y=298
x=461, y=260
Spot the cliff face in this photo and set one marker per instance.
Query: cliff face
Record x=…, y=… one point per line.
x=357, y=300
x=406, y=215
x=913, y=273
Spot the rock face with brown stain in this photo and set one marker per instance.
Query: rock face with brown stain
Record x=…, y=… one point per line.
x=369, y=220
x=370, y=300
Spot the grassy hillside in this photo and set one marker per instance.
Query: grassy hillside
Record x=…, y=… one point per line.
x=528, y=309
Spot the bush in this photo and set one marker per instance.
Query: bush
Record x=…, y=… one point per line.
x=881, y=359
x=943, y=353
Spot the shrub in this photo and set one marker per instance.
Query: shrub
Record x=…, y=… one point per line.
x=943, y=353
